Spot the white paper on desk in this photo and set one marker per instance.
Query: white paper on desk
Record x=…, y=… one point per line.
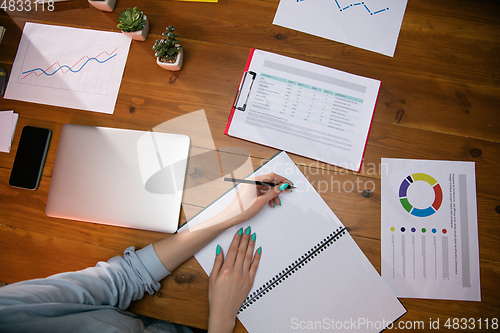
x=430, y=245
x=371, y=24
x=68, y=67
x=307, y=109
x=8, y=122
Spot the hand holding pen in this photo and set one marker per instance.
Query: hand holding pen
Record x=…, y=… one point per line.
x=267, y=182
x=256, y=182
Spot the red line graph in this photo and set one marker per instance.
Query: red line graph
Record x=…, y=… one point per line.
x=85, y=58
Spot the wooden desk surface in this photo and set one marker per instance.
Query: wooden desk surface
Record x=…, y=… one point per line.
x=439, y=100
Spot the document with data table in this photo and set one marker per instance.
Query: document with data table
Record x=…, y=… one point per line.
x=304, y=108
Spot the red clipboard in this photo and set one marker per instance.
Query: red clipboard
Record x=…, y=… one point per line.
x=238, y=96
x=247, y=66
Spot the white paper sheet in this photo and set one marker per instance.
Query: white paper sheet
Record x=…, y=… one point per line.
x=371, y=24
x=306, y=109
x=429, y=229
x=68, y=67
x=8, y=122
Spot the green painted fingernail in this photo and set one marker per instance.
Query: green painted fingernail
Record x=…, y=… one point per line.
x=248, y=230
x=279, y=200
x=274, y=205
x=253, y=237
x=217, y=250
x=259, y=250
x=283, y=186
x=240, y=232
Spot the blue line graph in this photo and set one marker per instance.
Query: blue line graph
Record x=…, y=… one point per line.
x=357, y=4
x=89, y=74
x=360, y=4
x=69, y=68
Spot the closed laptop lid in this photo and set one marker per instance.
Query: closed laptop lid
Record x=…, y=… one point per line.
x=119, y=177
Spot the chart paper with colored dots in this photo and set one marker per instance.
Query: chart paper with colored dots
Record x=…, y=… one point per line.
x=371, y=24
x=429, y=229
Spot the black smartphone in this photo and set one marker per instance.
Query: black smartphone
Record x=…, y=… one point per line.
x=3, y=80
x=30, y=157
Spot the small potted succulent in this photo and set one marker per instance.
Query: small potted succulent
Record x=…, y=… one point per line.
x=104, y=5
x=169, y=54
x=134, y=24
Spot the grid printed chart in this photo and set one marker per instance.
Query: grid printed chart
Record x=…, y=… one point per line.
x=68, y=67
x=89, y=74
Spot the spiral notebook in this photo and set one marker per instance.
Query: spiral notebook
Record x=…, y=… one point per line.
x=312, y=274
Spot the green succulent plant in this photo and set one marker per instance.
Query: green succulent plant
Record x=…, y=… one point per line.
x=131, y=20
x=167, y=48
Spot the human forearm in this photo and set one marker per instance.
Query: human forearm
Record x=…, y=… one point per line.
x=221, y=325
x=176, y=249
x=249, y=200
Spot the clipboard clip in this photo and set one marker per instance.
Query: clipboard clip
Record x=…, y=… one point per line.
x=245, y=87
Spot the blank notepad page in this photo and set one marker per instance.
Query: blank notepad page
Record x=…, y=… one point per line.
x=336, y=290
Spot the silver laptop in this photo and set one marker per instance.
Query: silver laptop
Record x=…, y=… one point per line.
x=119, y=177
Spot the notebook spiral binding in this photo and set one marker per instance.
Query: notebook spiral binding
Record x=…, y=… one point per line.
x=297, y=264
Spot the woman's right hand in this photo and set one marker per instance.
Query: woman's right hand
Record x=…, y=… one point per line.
x=252, y=198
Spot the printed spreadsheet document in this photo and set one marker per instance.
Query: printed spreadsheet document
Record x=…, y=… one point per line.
x=304, y=108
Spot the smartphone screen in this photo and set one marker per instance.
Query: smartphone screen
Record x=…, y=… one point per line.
x=30, y=157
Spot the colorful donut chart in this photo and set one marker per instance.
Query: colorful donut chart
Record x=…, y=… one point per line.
x=403, y=190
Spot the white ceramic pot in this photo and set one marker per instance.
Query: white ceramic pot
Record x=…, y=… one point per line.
x=172, y=66
x=140, y=35
x=105, y=5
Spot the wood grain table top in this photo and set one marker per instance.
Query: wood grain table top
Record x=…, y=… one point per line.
x=439, y=100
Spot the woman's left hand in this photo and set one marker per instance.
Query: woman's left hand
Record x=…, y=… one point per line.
x=231, y=280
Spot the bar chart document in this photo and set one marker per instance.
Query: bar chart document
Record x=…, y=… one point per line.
x=68, y=67
x=429, y=229
x=303, y=108
x=371, y=24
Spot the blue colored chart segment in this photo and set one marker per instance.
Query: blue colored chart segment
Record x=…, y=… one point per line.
x=403, y=195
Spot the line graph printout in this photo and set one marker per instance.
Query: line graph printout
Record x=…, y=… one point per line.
x=90, y=74
x=68, y=67
x=373, y=25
